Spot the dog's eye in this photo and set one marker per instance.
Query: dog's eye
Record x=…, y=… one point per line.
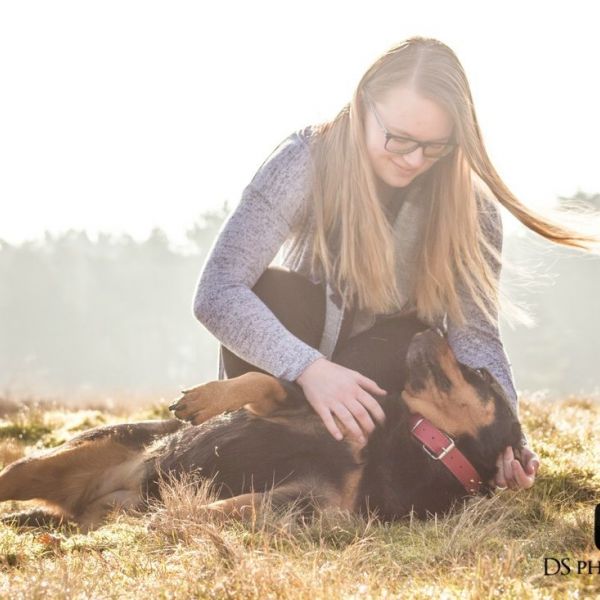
x=484, y=373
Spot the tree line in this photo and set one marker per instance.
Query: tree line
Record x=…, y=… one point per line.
x=114, y=314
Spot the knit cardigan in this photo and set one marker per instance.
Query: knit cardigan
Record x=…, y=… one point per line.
x=274, y=208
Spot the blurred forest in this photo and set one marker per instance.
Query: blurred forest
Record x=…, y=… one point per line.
x=561, y=353
x=114, y=315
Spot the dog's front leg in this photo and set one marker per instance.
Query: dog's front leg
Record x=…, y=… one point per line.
x=259, y=393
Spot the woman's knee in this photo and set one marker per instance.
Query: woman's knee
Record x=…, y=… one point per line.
x=297, y=302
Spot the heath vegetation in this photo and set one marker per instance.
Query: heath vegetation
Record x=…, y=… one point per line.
x=490, y=548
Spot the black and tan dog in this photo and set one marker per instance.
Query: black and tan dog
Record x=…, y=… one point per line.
x=256, y=434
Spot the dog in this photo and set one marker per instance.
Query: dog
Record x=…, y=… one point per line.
x=256, y=434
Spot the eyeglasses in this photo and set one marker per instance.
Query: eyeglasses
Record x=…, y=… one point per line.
x=405, y=145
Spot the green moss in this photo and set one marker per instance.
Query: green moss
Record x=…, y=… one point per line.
x=24, y=432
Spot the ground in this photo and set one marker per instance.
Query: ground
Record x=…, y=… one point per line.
x=495, y=548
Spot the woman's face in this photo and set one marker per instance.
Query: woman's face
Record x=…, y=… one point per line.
x=405, y=113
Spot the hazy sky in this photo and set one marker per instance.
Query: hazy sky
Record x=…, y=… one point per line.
x=127, y=115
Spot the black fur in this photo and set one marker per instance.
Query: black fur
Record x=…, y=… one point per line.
x=245, y=452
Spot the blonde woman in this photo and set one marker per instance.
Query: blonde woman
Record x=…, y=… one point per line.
x=386, y=214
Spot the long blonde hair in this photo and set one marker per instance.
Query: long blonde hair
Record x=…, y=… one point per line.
x=455, y=252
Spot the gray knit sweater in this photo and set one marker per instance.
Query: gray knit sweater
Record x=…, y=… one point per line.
x=273, y=205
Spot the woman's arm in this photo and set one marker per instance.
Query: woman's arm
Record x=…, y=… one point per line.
x=245, y=246
x=478, y=344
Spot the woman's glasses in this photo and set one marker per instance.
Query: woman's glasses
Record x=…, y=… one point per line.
x=404, y=145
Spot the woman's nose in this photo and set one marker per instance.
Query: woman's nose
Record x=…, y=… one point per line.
x=415, y=158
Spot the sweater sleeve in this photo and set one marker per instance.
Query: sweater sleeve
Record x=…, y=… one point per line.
x=477, y=343
x=248, y=241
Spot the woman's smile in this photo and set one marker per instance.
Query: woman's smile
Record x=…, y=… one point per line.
x=403, y=171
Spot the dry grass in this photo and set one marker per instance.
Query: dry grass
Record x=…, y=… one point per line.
x=493, y=548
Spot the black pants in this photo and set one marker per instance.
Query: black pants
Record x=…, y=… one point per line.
x=378, y=353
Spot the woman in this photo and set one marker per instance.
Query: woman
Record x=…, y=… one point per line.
x=389, y=209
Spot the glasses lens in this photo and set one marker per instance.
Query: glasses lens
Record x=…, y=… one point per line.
x=437, y=150
x=403, y=146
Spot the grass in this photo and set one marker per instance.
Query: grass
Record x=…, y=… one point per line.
x=494, y=548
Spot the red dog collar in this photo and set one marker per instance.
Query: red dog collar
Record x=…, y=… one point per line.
x=440, y=446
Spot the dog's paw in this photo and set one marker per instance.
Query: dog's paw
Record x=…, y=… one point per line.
x=201, y=403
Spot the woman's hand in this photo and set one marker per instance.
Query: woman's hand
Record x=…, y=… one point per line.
x=333, y=390
x=511, y=472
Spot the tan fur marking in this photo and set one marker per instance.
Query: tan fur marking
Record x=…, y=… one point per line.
x=349, y=492
x=246, y=506
x=240, y=507
x=459, y=412
x=257, y=392
x=84, y=480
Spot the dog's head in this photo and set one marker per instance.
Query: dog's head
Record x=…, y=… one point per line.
x=464, y=402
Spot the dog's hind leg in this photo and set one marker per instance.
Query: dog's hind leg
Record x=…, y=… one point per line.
x=259, y=393
x=305, y=494
x=90, y=467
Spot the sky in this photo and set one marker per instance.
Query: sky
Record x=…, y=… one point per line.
x=122, y=116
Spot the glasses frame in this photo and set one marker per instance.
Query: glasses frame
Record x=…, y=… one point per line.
x=389, y=136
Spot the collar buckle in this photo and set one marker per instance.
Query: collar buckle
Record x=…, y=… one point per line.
x=443, y=452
